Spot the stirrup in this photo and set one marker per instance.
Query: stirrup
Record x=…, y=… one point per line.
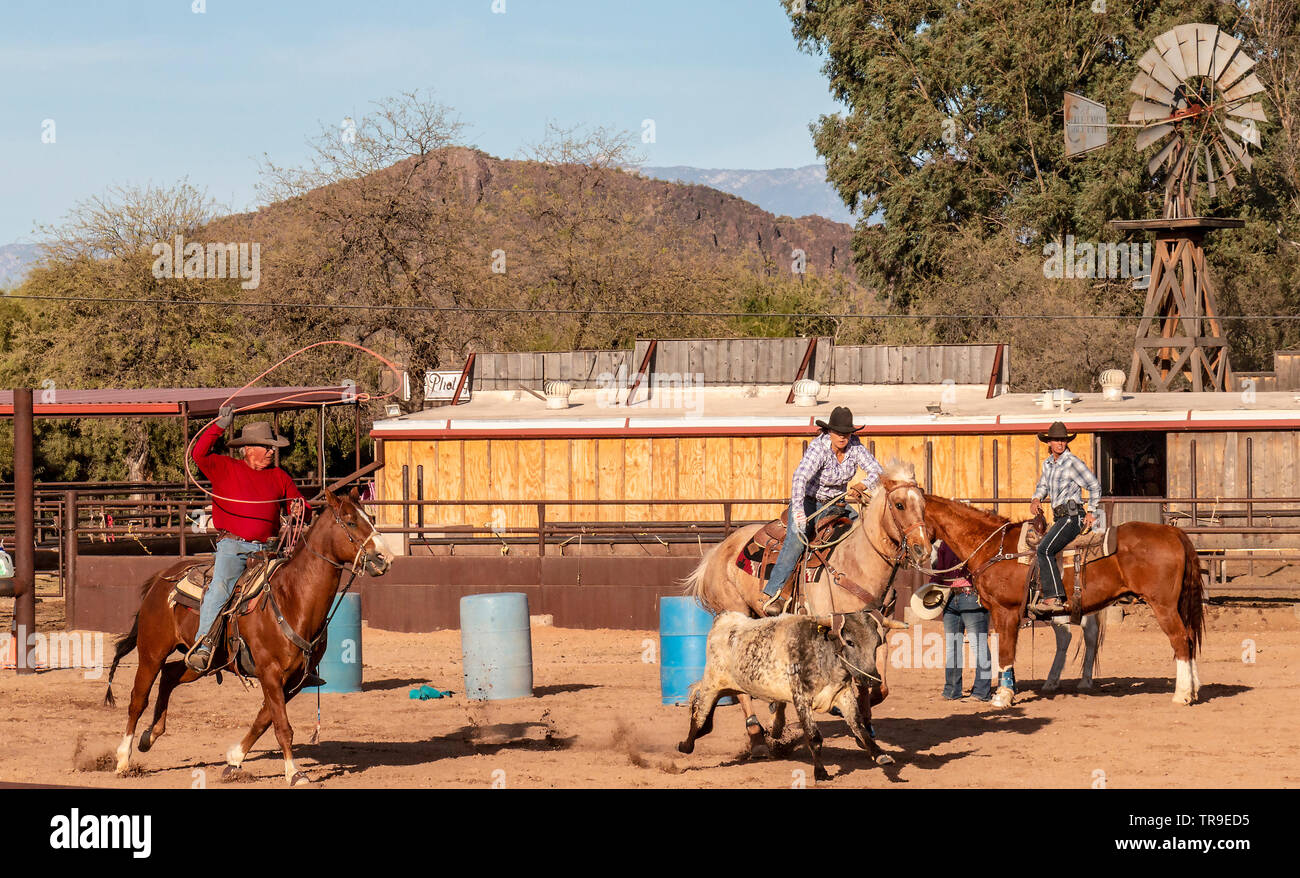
x=771, y=608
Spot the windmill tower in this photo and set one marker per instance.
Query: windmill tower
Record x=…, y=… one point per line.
x=1194, y=95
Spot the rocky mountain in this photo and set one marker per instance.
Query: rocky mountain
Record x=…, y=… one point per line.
x=791, y=192
x=15, y=260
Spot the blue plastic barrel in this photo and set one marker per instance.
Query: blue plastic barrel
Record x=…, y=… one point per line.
x=341, y=664
x=683, y=631
x=496, y=646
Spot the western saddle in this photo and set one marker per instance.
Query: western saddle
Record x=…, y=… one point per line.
x=759, y=555
x=1074, y=560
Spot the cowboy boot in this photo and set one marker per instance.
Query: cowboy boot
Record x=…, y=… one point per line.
x=199, y=658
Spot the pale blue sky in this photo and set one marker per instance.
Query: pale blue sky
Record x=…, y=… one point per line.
x=149, y=91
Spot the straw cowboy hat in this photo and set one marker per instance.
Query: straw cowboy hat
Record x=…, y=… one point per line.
x=1056, y=433
x=258, y=433
x=929, y=600
x=841, y=421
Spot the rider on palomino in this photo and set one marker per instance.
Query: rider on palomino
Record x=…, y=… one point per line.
x=828, y=464
x=1063, y=476
x=242, y=528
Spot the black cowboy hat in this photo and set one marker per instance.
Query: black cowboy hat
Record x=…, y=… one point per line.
x=1056, y=433
x=841, y=421
x=258, y=433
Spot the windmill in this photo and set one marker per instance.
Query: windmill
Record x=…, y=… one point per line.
x=1194, y=93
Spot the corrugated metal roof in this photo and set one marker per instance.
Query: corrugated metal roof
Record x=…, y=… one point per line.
x=203, y=402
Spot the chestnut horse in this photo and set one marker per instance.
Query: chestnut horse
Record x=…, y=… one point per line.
x=891, y=529
x=302, y=589
x=1155, y=562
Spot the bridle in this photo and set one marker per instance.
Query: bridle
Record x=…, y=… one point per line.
x=904, y=533
x=307, y=647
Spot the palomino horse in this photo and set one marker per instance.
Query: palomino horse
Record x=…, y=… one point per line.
x=890, y=530
x=301, y=591
x=1154, y=562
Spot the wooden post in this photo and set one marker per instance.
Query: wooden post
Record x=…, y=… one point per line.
x=24, y=618
x=803, y=367
x=645, y=363
x=70, y=556
x=320, y=447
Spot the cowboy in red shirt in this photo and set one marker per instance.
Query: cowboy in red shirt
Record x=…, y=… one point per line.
x=242, y=527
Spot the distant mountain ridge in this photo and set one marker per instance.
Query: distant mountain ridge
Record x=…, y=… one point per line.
x=15, y=261
x=792, y=192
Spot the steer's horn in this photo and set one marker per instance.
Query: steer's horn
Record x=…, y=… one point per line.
x=895, y=624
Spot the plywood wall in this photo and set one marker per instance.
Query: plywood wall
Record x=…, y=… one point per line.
x=685, y=468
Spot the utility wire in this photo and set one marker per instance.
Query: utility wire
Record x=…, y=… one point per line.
x=616, y=312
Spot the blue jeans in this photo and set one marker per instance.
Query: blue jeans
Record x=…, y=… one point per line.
x=964, y=615
x=232, y=558
x=792, y=548
x=1058, y=536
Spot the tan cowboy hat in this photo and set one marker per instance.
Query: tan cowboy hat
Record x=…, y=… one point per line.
x=929, y=600
x=1057, y=433
x=841, y=421
x=258, y=433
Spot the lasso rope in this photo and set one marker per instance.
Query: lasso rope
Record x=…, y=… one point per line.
x=361, y=397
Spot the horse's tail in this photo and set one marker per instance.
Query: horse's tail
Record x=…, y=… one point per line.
x=125, y=644
x=695, y=585
x=1191, y=608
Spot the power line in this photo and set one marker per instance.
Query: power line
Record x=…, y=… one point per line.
x=611, y=312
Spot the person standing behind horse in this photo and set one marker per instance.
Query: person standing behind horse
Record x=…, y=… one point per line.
x=963, y=616
x=830, y=461
x=1060, y=483
x=243, y=528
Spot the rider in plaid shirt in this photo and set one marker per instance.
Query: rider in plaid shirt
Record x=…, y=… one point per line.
x=1063, y=475
x=828, y=464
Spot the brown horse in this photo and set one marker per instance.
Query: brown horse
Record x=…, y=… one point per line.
x=302, y=589
x=891, y=529
x=1154, y=562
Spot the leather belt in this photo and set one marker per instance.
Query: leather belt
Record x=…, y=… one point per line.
x=227, y=535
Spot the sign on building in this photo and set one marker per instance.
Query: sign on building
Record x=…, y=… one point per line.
x=441, y=386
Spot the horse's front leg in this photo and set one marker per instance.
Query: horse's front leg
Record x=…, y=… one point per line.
x=1006, y=622
x=236, y=754
x=273, y=686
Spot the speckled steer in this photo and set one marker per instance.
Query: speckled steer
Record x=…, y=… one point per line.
x=796, y=659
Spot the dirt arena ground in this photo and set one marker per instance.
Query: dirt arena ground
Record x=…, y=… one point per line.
x=596, y=721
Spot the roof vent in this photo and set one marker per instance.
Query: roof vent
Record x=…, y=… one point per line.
x=1112, y=384
x=805, y=391
x=557, y=394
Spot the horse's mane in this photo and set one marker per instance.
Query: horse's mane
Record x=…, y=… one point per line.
x=982, y=516
x=899, y=470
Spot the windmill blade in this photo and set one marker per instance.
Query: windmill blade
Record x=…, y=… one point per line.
x=1247, y=87
x=1167, y=45
x=1205, y=37
x=1226, y=166
x=1148, y=89
x=1144, y=111
x=1224, y=49
x=1237, y=151
x=1186, y=35
x=1160, y=158
x=1247, y=133
x=1253, y=110
x=1154, y=66
x=1209, y=172
x=1236, y=69
x=1148, y=136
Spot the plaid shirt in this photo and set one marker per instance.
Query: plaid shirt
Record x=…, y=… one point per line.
x=821, y=476
x=1062, y=478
